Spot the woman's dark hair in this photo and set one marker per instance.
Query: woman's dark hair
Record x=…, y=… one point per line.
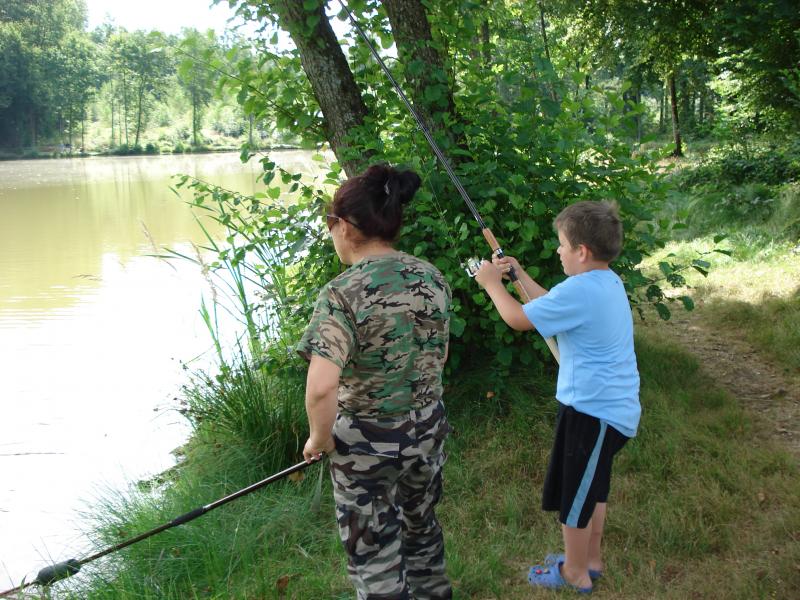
x=373, y=201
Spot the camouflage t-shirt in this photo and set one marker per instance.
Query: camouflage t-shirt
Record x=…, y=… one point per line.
x=385, y=322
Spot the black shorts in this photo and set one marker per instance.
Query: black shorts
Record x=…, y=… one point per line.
x=579, y=474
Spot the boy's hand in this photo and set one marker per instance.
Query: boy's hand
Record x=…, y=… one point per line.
x=488, y=274
x=505, y=265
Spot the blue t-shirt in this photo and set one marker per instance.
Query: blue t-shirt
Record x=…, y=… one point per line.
x=590, y=315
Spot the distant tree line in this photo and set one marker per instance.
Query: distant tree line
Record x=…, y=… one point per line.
x=684, y=66
x=55, y=76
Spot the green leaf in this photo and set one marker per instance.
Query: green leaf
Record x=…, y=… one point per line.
x=688, y=303
x=504, y=356
x=663, y=311
x=665, y=268
x=457, y=326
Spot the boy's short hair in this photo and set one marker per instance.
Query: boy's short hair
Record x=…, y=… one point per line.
x=596, y=225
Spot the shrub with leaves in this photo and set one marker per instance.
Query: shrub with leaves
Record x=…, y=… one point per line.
x=525, y=142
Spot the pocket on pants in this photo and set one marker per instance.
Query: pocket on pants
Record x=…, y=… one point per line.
x=350, y=441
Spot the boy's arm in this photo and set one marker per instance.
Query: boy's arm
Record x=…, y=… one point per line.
x=490, y=278
x=532, y=289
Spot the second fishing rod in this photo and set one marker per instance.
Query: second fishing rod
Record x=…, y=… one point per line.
x=497, y=250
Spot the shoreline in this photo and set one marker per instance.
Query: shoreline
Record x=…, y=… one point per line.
x=48, y=154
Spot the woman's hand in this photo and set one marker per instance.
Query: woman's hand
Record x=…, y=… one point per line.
x=315, y=448
x=488, y=275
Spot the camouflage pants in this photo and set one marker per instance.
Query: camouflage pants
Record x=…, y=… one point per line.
x=387, y=479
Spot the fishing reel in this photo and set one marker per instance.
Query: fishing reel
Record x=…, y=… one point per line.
x=471, y=266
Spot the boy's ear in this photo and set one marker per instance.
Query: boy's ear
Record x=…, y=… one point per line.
x=584, y=254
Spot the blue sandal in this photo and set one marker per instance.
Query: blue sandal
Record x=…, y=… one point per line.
x=549, y=577
x=554, y=559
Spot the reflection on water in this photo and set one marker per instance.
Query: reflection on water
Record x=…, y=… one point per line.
x=93, y=332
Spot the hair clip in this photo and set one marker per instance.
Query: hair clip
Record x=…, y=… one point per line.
x=386, y=187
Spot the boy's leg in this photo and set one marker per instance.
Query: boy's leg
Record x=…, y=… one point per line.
x=595, y=542
x=575, y=568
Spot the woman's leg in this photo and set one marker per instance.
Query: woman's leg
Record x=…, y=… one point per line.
x=365, y=478
x=423, y=542
x=419, y=489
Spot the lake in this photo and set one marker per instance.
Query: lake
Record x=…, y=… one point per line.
x=94, y=335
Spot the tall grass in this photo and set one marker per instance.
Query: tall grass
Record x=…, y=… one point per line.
x=246, y=404
x=703, y=505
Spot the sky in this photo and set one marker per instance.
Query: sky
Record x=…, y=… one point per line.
x=168, y=16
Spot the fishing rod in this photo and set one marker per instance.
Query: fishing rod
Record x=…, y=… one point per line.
x=70, y=567
x=487, y=233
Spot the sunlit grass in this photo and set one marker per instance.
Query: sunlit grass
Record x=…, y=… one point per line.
x=701, y=485
x=754, y=293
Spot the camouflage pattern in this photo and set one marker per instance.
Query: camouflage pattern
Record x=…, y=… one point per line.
x=384, y=321
x=387, y=479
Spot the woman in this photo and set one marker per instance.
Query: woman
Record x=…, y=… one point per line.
x=376, y=347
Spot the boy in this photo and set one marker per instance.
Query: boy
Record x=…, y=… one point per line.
x=598, y=381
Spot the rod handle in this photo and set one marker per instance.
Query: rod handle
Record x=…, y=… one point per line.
x=61, y=570
x=498, y=251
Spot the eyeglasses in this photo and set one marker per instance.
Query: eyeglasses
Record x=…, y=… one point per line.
x=330, y=221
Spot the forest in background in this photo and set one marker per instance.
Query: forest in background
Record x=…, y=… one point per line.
x=693, y=69
x=66, y=90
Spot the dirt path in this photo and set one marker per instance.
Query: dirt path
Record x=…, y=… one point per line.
x=744, y=372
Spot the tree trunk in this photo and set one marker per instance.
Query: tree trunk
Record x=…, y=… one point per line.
x=486, y=44
x=544, y=32
x=661, y=107
x=194, y=117
x=431, y=93
x=676, y=128
x=125, y=108
x=113, y=141
x=331, y=80
x=139, y=108
x=69, y=127
x=547, y=51
x=638, y=99
x=701, y=115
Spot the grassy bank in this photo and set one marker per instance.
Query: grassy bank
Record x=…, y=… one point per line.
x=702, y=506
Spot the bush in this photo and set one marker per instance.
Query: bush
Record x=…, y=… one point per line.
x=745, y=185
x=739, y=165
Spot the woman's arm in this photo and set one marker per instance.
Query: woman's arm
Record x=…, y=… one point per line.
x=322, y=387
